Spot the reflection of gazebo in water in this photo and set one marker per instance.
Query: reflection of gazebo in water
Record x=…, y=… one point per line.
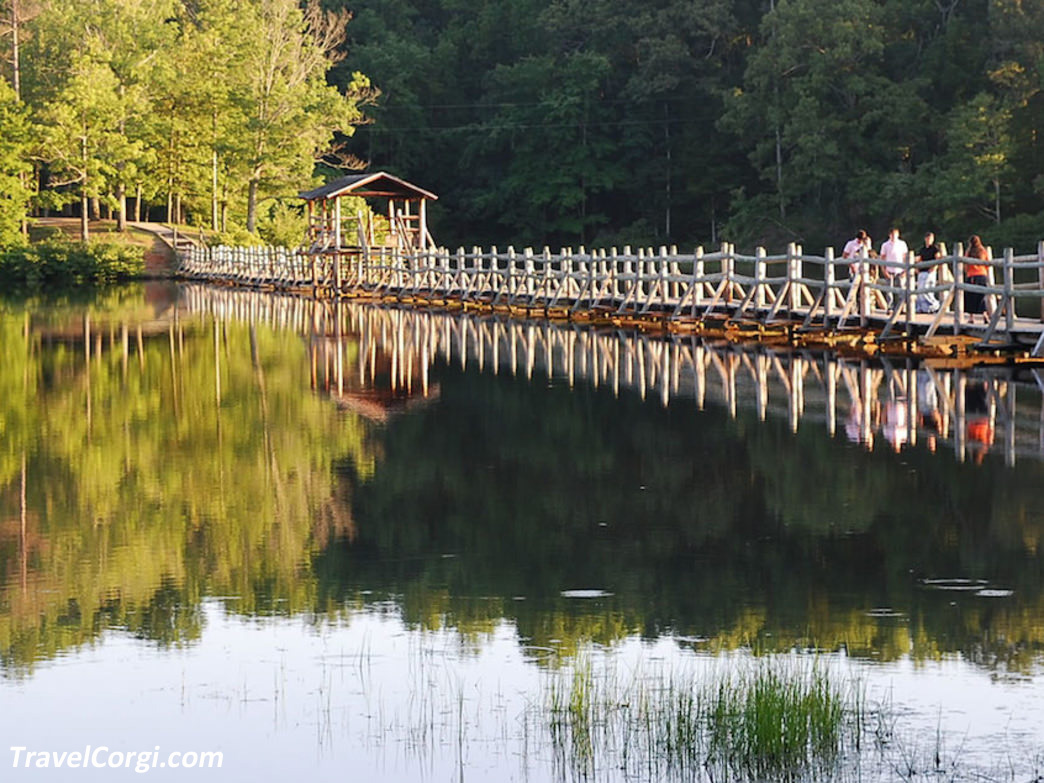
x=332, y=229
x=378, y=388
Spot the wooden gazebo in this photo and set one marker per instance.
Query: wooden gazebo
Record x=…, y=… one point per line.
x=333, y=230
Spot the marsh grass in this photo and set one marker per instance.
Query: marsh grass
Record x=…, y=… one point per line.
x=759, y=719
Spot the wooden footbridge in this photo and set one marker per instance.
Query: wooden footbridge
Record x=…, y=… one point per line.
x=793, y=298
x=886, y=402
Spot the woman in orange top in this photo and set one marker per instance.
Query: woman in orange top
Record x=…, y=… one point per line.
x=976, y=274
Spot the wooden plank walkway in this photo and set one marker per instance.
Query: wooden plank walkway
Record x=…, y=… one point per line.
x=803, y=300
x=888, y=402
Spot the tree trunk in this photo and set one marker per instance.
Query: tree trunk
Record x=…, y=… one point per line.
x=84, y=206
x=84, y=200
x=121, y=189
x=16, y=69
x=214, y=192
x=667, y=183
x=251, y=225
x=137, y=203
x=779, y=174
x=214, y=174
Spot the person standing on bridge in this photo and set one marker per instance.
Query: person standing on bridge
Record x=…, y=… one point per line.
x=926, y=278
x=893, y=256
x=857, y=249
x=976, y=274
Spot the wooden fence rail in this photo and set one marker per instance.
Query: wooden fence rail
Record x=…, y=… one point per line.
x=813, y=291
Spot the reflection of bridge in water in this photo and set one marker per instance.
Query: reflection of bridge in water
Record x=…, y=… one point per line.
x=903, y=403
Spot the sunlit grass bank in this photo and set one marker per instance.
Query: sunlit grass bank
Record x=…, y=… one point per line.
x=760, y=718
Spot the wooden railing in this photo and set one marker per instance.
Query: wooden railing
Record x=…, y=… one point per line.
x=794, y=286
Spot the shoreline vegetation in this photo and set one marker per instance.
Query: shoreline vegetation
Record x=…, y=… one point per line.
x=55, y=264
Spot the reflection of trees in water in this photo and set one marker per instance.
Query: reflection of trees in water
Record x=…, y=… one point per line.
x=735, y=530
x=191, y=460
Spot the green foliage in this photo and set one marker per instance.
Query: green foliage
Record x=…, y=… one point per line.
x=550, y=121
x=669, y=120
x=14, y=166
x=235, y=236
x=1022, y=232
x=58, y=264
x=211, y=106
x=283, y=225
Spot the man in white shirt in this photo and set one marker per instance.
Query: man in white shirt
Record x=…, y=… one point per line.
x=893, y=256
x=856, y=249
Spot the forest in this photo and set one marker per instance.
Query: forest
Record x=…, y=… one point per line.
x=594, y=122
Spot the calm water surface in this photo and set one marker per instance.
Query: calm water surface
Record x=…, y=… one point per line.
x=354, y=542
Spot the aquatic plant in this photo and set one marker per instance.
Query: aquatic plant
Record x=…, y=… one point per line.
x=759, y=719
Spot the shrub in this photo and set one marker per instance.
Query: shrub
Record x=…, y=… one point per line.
x=56, y=264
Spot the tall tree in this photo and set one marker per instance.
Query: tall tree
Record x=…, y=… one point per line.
x=292, y=112
x=977, y=163
x=80, y=131
x=825, y=125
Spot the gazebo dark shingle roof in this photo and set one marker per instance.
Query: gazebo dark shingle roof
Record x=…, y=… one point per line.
x=378, y=183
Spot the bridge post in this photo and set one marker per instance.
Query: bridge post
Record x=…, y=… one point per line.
x=792, y=299
x=697, y=279
x=1009, y=292
x=639, y=274
x=829, y=273
x=958, y=291
x=1040, y=275
x=760, y=273
x=799, y=273
x=909, y=280
x=530, y=266
x=663, y=277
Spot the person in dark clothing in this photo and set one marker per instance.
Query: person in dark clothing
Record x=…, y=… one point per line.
x=927, y=277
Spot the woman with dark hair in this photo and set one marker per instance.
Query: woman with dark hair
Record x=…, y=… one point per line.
x=976, y=274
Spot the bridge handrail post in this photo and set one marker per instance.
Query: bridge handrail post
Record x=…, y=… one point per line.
x=468, y=275
x=1040, y=276
x=1009, y=292
x=792, y=299
x=958, y=287
x=698, y=277
x=530, y=267
x=799, y=272
x=829, y=281
x=637, y=269
x=909, y=280
x=760, y=273
x=676, y=281
x=663, y=276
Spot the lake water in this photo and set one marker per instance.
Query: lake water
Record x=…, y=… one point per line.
x=356, y=542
